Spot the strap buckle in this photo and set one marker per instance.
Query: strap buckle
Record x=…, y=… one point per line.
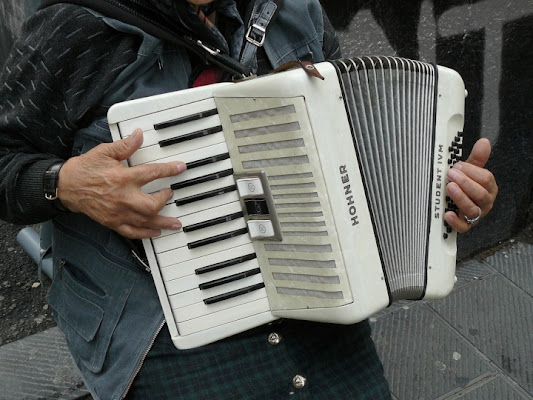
x=211, y=50
x=51, y=196
x=259, y=34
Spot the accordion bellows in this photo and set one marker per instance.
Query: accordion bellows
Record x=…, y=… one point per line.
x=303, y=198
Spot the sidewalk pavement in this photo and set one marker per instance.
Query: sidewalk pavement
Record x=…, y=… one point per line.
x=476, y=344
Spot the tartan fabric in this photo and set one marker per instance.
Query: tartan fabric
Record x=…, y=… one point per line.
x=339, y=362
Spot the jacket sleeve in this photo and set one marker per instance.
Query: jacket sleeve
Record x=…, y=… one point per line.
x=330, y=44
x=51, y=85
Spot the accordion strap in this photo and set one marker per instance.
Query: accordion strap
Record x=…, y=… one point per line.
x=256, y=30
x=130, y=15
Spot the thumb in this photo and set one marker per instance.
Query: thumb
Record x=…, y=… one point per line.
x=123, y=149
x=480, y=153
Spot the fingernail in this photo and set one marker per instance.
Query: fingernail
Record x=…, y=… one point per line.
x=181, y=167
x=171, y=194
x=458, y=166
x=176, y=227
x=453, y=190
x=453, y=174
x=135, y=133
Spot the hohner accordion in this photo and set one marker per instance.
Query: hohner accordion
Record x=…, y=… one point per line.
x=310, y=199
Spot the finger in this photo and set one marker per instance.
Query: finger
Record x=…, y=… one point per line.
x=149, y=205
x=482, y=176
x=476, y=193
x=456, y=222
x=463, y=202
x=480, y=153
x=123, y=149
x=134, y=232
x=156, y=222
x=146, y=173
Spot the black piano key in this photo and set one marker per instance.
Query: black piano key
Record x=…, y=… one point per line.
x=190, y=136
x=187, y=118
x=217, y=238
x=208, y=160
x=228, y=279
x=256, y=207
x=225, y=264
x=234, y=293
x=205, y=195
x=213, y=222
x=202, y=179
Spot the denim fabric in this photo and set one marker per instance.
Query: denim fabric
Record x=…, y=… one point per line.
x=103, y=300
x=296, y=34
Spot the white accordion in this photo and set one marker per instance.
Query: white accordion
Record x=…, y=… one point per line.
x=311, y=199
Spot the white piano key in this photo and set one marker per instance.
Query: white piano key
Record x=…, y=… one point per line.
x=180, y=269
x=181, y=239
x=163, y=183
x=184, y=254
x=154, y=153
x=198, y=310
x=152, y=136
x=223, y=317
x=195, y=155
x=146, y=122
x=183, y=299
x=205, y=187
x=211, y=202
x=193, y=281
x=202, y=216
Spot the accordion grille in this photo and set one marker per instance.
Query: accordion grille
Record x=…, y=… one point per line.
x=274, y=136
x=391, y=107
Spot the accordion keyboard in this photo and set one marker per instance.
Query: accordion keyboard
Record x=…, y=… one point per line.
x=210, y=264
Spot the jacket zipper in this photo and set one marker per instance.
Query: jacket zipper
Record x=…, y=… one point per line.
x=130, y=384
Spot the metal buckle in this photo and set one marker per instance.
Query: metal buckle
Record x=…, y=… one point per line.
x=209, y=49
x=262, y=32
x=51, y=196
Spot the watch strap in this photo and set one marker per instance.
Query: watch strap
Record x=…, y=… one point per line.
x=50, y=182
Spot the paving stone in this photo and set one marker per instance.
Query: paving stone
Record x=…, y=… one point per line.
x=516, y=264
x=422, y=356
x=466, y=272
x=495, y=316
x=470, y=271
x=495, y=389
x=39, y=367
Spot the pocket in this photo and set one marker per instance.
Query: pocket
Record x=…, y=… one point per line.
x=88, y=294
x=82, y=315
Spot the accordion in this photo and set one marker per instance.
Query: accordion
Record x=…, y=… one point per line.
x=311, y=199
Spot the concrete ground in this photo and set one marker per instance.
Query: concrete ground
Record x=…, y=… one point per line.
x=476, y=344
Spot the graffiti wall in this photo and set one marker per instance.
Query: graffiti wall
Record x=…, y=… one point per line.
x=489, y=42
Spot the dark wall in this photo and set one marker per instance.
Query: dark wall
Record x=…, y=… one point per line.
x=490, y=42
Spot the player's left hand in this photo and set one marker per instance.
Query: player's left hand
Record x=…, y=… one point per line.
x=472, y=188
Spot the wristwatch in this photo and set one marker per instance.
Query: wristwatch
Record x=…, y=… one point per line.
x=51, y=179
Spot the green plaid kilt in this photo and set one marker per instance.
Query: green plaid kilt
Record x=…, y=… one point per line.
x=338, y=362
